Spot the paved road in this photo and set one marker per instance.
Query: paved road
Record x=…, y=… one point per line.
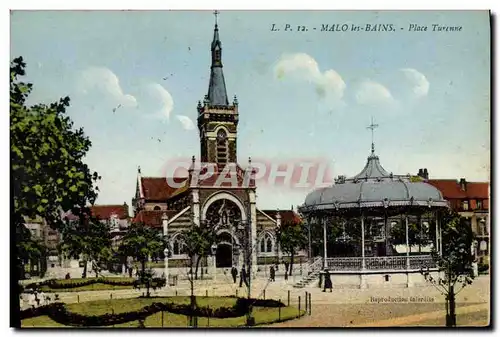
x=388, y=315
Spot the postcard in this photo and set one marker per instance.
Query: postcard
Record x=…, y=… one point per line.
x=235, y=169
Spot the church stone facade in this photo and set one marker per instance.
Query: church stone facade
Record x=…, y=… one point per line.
x=229, y=208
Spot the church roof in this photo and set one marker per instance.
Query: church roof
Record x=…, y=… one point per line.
x=288, y=217
x=217, y=94
x=157, y=188
x=104, y=212
x=153, y=218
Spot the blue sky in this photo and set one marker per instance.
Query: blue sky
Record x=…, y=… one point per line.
x=301, y=94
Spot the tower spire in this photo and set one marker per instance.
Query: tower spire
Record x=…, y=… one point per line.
x=372, y=127
x=217, y=94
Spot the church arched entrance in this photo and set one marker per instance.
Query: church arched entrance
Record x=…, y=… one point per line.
x=224, y=255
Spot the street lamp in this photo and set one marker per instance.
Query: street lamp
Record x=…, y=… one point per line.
x=165, y=253
x=214, y=251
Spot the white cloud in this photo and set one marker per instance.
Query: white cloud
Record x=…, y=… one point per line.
x=418, y=81
x=106, y=81
x=370, y=92
x=303, y=67
x=166, y=100
x=187, y=123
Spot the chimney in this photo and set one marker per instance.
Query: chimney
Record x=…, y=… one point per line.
x=463, y=184
x=278, y=219
x=420, y=173
x=426, y=174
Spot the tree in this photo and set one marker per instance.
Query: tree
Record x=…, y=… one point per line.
x=292, y=238
x=455, y=264
x=28, y=249
x=197, y=243
x=48, y=174
x=89, y=238
x=142, y=242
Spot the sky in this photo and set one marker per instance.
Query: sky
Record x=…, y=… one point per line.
x=135, y=77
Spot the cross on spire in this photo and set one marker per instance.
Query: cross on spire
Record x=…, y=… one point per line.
x=372, y=127
x=216, y=12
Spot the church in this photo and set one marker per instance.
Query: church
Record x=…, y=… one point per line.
x=229, y=208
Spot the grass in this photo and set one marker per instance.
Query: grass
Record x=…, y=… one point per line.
x=102, y=307
x=262, y=315
x=41, y=322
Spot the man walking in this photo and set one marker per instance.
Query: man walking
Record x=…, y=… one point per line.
x=234, y=273
x=243, y=276
x=272, y=274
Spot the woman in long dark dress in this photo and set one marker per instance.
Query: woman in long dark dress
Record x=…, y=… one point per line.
x=328, y=281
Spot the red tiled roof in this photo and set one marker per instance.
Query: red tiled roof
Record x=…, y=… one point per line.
x=478, y=190
x=152, y=218
x=104, y=212
x=451, y=189
x=158, y=188
x=287, y=216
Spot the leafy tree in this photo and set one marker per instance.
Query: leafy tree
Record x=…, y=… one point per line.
x=142, y=242
x=455, y=263
x=28, y=248
x=292, y=238
x=89, y=238
x=197, y=242
x=48, y=173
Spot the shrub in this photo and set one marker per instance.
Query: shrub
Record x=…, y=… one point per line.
x=77, y=283
x=483, y=267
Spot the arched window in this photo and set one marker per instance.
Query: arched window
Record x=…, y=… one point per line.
x=178, y=247
x=157, y=208
x=266, y=244
x=269, y=245
x=222, y=146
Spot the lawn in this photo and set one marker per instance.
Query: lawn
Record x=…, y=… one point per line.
x=262, y=315
x=117, y=306
x=41, y=322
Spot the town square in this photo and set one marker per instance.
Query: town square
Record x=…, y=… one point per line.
x=210, y=170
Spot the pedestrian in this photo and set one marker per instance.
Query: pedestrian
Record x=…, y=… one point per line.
x=130, y=271
x=286, y=270
x=272, y=274
x=328, y=281
x=243, y=274
x=234, y=273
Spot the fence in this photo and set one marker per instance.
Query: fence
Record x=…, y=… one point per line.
x=380, y=263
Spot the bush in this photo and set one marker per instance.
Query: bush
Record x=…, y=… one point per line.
x=77, y=283
x=483, y=267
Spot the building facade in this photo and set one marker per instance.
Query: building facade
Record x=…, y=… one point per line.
x=470, y=200
x=225, y=200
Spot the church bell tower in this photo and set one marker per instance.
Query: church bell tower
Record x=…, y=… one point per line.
x=217, y=119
